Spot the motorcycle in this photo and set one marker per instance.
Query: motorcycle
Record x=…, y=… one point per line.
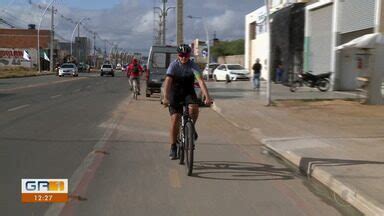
x=319, y=81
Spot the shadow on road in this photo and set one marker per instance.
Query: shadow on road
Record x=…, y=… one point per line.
x=240, y=171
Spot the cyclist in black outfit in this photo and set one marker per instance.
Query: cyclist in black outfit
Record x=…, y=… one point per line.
x=179, y=87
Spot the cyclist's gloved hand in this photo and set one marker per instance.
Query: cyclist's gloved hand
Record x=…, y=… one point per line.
x=208, y=101
x=165, y=102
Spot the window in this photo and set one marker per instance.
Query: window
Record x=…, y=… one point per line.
x=235, y=67
x=67, y=66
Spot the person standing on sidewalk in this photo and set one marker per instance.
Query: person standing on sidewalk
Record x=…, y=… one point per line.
x=279, y=73
x=256, y=74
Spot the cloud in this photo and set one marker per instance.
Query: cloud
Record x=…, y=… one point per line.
x=131, y=22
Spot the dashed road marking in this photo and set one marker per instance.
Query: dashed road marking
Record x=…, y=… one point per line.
x=55, y=96
x=174, y=178
x=18, y=107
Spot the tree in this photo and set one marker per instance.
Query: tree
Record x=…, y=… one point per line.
x=225, y=48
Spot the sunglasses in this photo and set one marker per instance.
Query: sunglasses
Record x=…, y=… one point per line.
x=186, y=55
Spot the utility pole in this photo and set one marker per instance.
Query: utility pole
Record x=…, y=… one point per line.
x=52, y=40
x=94, y=49
x=78, y=44
x=269, y=82
x=179, y=22
x=164, y=21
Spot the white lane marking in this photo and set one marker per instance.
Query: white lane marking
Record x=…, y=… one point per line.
x=39, y=85
x=18, y=107
x=76, y=90
x=55, y=96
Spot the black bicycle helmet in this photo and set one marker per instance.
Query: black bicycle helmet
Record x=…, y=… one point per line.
x=184, y=48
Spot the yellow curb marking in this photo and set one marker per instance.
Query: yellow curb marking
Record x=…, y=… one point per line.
x=174, y=178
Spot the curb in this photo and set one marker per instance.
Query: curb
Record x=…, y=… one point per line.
x=349, y=194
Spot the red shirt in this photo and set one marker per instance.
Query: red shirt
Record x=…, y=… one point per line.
x=131, y=71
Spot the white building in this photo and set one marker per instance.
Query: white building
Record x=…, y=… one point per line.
x=256, y=40
x=257, y=34
x=330, y=23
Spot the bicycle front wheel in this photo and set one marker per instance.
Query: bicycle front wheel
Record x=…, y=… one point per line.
x=189, y=146
x=180, y=145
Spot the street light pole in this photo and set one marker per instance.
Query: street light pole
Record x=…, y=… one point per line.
x=269, y=82
x=38, y=35
x=74, y=29
x=163, y=15
x=206, y=35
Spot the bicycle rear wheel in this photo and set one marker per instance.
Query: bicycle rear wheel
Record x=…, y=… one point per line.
x=135, y=89
x=189, y=146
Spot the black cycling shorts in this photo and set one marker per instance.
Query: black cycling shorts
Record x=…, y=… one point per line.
x=175, y=103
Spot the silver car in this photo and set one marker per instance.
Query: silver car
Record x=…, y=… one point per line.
x=68, y=69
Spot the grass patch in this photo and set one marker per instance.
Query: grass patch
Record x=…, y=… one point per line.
x=18, y=72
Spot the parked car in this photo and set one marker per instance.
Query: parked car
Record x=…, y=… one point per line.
x=208, y=70
x=107, y=69
x=68, y=69
x=228, y=72
x=159, y=59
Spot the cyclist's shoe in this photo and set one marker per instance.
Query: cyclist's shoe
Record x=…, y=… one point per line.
x=173, y=152
x=138, y=93
x=196, y=136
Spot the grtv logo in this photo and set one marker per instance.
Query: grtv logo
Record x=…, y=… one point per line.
x=44, y=190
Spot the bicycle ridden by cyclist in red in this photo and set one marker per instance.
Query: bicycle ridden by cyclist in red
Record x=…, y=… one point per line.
x=134, y=71
x=179, y=87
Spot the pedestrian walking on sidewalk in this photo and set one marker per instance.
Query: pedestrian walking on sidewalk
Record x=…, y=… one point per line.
x=279, y=73
x=256, y=74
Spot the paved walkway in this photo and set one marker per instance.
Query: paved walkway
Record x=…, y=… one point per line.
x=338, y=142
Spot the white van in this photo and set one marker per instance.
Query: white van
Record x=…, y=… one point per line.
x=159, y=59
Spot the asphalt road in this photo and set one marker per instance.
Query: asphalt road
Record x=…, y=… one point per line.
x=114, y=151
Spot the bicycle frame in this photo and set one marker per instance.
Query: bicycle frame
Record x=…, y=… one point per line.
x=184, y=149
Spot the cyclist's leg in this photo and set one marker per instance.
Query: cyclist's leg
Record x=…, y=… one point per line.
x=174, y=130
x=130, y=82
x=194, y=111
x=193, y=106
x=138, y=83
x=175, y=113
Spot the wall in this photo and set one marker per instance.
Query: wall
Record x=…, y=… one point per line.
x=13, y=58
x=13, y=42
x=235, y=59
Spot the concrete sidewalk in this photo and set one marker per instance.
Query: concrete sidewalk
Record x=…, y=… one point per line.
x=338, y=142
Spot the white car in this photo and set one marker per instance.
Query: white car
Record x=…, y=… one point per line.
x=68, y=69
x=208, y=70
x=228, y=72
x=118, y=66
x=107, y=69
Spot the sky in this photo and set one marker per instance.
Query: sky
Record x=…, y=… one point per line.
x=130, y=24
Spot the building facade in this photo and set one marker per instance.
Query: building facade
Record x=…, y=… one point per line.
x=286, y=45
x=13, y=43
x=330, y=23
